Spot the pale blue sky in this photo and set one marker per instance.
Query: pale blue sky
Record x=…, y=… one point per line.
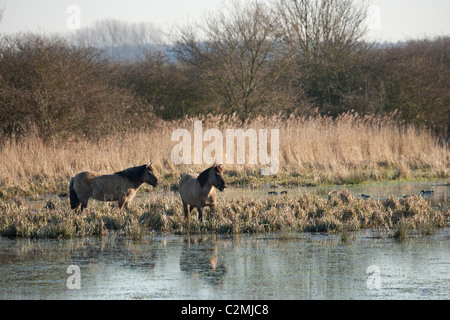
x=397, y=19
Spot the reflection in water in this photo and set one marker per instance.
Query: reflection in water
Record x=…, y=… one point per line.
x=125, y=253
x=200, y=256
x=268, y=266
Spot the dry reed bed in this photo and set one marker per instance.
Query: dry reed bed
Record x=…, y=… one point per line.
x=349, y=149
x=339, y=212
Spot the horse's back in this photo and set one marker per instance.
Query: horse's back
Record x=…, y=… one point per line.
x=186, y=179
x=108, y=187
x=86, y=175
x=190, y=192
x=84, y=179
x=188, y=187
x=96, y=185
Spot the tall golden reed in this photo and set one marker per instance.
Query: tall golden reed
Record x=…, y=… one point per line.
x=320, y=149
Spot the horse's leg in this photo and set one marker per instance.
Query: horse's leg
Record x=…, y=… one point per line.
x=187, y=210
x=212, y=210
x=84, y=205
x=128, y=198
x=84, y=201
x=123, y=203
x=200, y=213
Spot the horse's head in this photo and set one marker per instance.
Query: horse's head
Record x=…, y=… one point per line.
x=216, y=177
x=149, y=177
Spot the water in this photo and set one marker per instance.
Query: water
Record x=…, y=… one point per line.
x=270, y=266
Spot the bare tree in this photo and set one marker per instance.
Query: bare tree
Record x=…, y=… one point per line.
x=239, y=51
x=327, y=38
x=59, y=90
x=315, y=27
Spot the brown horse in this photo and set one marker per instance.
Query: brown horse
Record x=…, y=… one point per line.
x=200, y=192
x=120, y=186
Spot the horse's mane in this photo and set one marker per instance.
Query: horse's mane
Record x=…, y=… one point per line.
x=203, y=177
x=133, y=174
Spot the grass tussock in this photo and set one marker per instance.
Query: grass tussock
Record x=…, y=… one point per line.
x=338, y=212
x=348, y=150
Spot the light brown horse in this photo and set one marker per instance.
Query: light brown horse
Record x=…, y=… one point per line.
x=120, y=186
x=200, y=192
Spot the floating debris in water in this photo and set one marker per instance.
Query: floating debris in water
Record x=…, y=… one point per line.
x=426, y=192
x=274, y=193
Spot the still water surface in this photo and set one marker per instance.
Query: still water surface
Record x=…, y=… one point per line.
x=270, y=266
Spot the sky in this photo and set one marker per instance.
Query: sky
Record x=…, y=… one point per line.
x=392, y=20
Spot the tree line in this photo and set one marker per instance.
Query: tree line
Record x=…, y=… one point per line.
x=301, y=57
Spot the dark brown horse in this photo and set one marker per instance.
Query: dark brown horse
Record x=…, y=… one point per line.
x=120, y=186
x=200, y=192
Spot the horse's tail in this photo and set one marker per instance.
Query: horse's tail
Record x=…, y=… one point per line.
x=74, y=201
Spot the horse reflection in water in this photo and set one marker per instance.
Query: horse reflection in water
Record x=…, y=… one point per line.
x=200, y=257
